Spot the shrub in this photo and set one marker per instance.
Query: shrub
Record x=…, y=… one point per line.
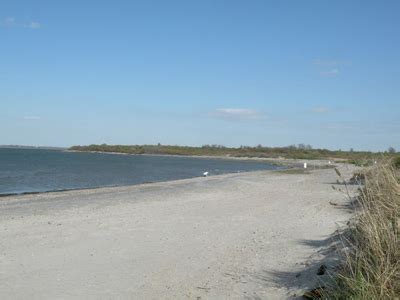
x=396, y=162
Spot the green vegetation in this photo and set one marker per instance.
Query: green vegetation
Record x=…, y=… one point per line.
x=372, y=268
x=396, y=162
x=300, y=152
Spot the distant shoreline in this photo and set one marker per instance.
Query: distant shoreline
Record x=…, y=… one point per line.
x=33, y=147
x=289, y=162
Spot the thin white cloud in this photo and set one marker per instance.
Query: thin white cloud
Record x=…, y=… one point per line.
x=31, y=118
x=330, y=67
x=11, y=22
x=236, y=114
x=321, y=110
x=339, y=127
x=8, y=22
x=330, y=62
x=345, y=126
x=330, y=73
x=34, y=25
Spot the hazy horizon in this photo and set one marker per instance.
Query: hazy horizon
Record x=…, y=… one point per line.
x=178, y=145
x=193, y=73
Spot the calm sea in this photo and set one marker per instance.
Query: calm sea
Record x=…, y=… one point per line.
x=34, y=170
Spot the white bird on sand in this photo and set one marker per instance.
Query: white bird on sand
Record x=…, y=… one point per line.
x=205, y=174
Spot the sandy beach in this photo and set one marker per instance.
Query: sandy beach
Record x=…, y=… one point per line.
x=255, y=235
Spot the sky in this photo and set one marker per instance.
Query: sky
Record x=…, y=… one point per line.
x=275, y=73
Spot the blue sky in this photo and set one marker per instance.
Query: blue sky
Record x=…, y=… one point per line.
x=325, y=73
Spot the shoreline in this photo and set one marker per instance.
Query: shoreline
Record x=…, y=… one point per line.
x=273, y=165
x=290, y=162
x=289, y=167
x=116, y=187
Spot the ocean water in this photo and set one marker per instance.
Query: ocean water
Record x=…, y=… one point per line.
x=37, y=170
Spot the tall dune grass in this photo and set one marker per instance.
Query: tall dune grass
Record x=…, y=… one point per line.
x=372, y=249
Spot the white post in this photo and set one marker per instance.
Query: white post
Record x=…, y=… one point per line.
x=305, y=165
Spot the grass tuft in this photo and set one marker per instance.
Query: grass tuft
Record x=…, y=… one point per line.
x=372, y=250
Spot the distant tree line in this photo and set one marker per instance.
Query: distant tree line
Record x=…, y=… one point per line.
x=300, y=151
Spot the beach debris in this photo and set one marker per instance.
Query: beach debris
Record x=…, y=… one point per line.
x=315, y=293
x=203, y=288
x=205, y=174
x=332, y=203
x=322, y=270
x=338, y=172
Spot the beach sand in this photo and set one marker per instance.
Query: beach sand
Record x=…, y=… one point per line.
x=256, y=235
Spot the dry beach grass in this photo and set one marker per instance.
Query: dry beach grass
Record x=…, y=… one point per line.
x=372, y=262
